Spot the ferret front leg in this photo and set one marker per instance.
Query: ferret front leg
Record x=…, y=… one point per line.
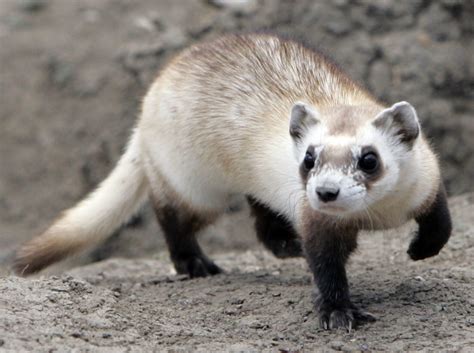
x=434, y=228
x=327, y=251
x=274, y=231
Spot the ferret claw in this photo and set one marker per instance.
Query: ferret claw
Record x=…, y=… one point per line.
x=348, y=318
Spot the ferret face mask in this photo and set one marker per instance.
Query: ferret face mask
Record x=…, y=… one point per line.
x=353, y=157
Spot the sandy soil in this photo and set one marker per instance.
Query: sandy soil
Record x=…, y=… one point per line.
x=72, y=74
x=259, y=304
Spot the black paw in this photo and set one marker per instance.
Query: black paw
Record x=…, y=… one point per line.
x=196, y=266
x=421, y=248
x=363, y=317
x=285, y=248
x=346, y=317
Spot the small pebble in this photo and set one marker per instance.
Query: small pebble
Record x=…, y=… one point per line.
x=256, y=325
x=230, y=311
x=237, y=301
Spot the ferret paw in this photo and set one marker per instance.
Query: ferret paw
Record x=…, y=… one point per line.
x=197, y=266
x=336, y=318
x=345, y=318
x=420, y=248
x=362, y=317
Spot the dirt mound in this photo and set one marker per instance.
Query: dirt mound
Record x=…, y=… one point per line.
x=261, y=303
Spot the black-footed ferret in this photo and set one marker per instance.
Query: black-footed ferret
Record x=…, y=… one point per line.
x=316, y=155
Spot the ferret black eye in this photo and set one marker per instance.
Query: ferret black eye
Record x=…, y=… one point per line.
x=308, y=160
x=369, y=163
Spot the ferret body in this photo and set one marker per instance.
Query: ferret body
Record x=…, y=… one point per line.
x=315, y=154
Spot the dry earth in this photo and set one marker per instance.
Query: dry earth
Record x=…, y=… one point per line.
x=72, y=74
x=259, y=304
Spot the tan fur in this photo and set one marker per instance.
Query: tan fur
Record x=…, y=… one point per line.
x=51, y=246
x=347, y=119
x=210, y=124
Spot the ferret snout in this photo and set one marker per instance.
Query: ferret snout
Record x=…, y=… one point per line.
x=327, y=192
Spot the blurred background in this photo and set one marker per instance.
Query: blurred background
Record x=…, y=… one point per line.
x=72, y=74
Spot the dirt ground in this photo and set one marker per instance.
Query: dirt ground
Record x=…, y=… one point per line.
x=72, y=74
x=259, y=304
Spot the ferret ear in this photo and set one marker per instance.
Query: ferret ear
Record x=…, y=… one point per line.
x=302, y=118
x=401, y=121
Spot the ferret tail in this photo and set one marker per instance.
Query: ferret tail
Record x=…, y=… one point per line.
x=92, y=220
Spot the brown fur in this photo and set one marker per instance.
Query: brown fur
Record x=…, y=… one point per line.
x=338, y=158
x=217, y=59
x=41, y=252
x=347, y=119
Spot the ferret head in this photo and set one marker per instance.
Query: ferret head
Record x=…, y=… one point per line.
x=352, y=157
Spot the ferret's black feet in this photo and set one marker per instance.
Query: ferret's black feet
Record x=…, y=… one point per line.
x=434, y=229
x=285, y=248
x=345, y=317
x=275, y=232
x=333, y=318
x=423, y=247
x=196, y=266
x=362, y=317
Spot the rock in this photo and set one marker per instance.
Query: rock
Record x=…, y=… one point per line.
x=337, y=345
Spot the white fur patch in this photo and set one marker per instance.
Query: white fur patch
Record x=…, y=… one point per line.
x=351, y=194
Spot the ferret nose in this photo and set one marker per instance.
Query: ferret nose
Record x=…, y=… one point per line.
x=327, y=193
